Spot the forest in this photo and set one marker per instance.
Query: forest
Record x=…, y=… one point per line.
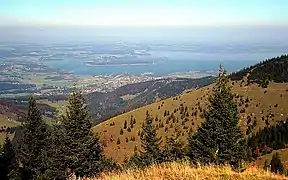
x=274, y=69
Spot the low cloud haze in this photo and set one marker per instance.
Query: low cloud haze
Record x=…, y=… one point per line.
x=152, y=34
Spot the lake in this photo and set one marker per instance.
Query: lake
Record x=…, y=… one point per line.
x=166, y=62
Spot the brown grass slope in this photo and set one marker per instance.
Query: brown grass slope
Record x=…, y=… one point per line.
x=173, y=171
x=258, y=107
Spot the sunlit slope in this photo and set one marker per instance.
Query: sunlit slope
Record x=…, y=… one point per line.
x=173, y=171
x=258, y=107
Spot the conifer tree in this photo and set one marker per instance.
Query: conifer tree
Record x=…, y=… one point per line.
x=174, y=148
x=150, y=142
x=266, y=165
x=83, y=151
x=33, y=143
x=8, y=162
x=219, y=140
x=276, y=164
x=57, y=150
x=125, y=124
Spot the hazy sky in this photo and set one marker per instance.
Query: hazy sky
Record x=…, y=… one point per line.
x=144, y=13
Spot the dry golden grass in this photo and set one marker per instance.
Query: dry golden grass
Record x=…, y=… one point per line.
x=261, y=103
x=181, y=171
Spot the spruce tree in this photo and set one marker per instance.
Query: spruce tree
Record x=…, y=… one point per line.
x=57, y=149
x=174, y=148
x=125, y=124
x=150, y=142
x=276, y=164
x=219, y=140
x=83, y=151
x=8, y=162
x=266, y=166
x=33, y=143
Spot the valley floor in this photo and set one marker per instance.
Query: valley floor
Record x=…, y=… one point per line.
x=173, y=171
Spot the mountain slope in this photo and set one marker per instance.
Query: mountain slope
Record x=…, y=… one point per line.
x=10, y=118
x=258, y=107
x=275, y=69
x=131, y=96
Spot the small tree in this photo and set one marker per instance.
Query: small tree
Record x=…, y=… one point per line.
x=150, y=142
x=33, y=145
x=276, y=164
x=121, y=131
x=174, y=148
x=118, y=141
x=125, y=124
x=8, y=162
x=266, y=165
x=129, y=129
x=83, y=151
x=219, y=140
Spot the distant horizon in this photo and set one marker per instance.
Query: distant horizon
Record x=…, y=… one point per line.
x=165, y=33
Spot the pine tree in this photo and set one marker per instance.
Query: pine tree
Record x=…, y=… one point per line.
x=150, y=142
x=174, y=148
x=8, y=162
x=266, y=165
x=125, y=124
x=56, y=153
x=33, y=143
x=276, y=164
x=83, y=151
x=219, y=140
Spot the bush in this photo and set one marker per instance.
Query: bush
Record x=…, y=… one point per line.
x=129, y=129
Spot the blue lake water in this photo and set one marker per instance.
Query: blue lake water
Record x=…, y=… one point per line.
x=173, y=62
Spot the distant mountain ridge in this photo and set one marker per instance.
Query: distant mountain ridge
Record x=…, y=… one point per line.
x=274, y=69
x=105, y=105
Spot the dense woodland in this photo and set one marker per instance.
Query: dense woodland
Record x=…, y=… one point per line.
x=274, y=69
x=68, y=146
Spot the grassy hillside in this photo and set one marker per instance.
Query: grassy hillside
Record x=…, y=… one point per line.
x=171, y=171
x=131, y=96
x=258, y=107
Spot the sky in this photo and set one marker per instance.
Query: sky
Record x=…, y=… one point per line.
x=173, y=13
